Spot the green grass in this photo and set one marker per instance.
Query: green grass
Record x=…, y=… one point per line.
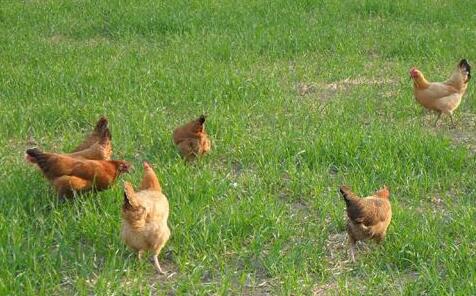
x=261, y=213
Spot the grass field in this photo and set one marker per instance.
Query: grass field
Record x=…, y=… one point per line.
x=302, y=96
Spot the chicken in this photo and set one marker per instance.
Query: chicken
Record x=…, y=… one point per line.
x=191, y=139
x=97, y=145
x=368, y=218
x=101, y=150
x=442, y=97
x=144, y=217
x=71, y=175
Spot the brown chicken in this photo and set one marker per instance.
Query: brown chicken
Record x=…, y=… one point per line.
x=144, y=217
x=191, y=139
x=97, y=145
x=442, y=97
x=71, y=175
x=101, y=150
x=368, y=218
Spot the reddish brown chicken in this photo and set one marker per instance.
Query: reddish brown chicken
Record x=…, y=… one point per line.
x=191, y=139
x=97, y=145
x=71, y=175
x=144, y=217
x=368, y=218
x=442, y=97
x=101, y=150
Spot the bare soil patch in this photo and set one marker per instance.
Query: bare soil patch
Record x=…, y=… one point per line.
x=324, y=92
x=59, y=39
x=463, y=134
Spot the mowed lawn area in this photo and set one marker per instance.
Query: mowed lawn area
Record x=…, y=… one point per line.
x=301, y=97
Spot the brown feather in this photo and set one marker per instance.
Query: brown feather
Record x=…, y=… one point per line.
x=369, y=217
x=191, y=139
x=88, y=174
x=101, y=134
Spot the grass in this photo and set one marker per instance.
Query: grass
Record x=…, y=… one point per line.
x=260, y=214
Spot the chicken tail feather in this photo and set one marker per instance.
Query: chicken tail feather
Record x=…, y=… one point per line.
x=463, y=64
x=35, y=155
x=348, y=195
x=105, y=137
x=150, y=181
x=101, y=125
x=130, y=200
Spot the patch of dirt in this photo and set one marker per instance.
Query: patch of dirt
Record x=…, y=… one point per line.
x=297, y=206
x=157, y=280
x=437, y=203
x=95, y=41
x=260, y=287
x=337, y=253
x=333, y=170
x=397, y=281
x=320, y=92
x=324, y=92
x=465, y=131
x=284, y=192
x=339, y=263
x=402, y=279
x=58, y=39
x=20, y=144
x=15, y=148
x=300, y=206
x=338, y=259
x=235, y=172
x=349, y=82
x=325, y=289
x=257, y=283
x=306, y=88
x=236, y=168
x=338, y=250
x=463, y=134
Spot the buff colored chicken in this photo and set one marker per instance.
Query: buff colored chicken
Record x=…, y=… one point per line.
x=442, y=97
x=368, y=218
x=191, y=139
x=71, y=175
x=144, y=217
